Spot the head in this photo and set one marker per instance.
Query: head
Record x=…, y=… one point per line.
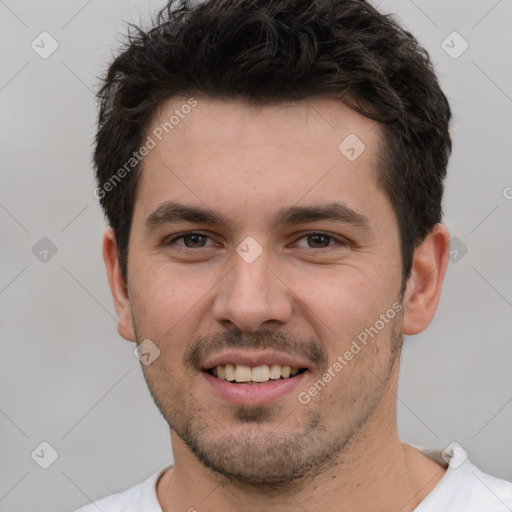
x=312, y=136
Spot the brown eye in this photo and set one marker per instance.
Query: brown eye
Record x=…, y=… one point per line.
x=194, y=241
x=318, y=241
x=191, y=240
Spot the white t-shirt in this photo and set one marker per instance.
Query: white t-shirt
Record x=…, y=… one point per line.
x=463, y=488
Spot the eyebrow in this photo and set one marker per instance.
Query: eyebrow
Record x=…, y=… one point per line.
x=171, y=212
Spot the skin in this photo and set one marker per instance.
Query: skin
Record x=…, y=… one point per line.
x=341, y=451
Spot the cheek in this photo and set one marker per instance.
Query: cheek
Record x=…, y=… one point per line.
x=165, y=294
x=344, y=301
x=169, y=306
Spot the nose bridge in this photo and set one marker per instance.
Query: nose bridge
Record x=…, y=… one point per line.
x=249, y=279
x=251, y=294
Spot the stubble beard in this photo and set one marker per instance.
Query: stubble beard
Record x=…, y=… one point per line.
x=252, y=450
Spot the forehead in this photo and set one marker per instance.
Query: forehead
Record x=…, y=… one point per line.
x=317, y=121
x=245, y=157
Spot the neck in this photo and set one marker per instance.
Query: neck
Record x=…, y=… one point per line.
x=375, y=471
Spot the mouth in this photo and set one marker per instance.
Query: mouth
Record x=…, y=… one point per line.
x=254, y=378
x=244, y=374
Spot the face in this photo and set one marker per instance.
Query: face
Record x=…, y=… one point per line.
x=258, y=244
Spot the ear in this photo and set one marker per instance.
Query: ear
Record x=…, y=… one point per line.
x=423, y=289
x=118, y=286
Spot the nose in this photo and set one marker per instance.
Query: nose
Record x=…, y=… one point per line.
x=252, y=294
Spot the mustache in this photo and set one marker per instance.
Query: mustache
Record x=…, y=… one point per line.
x=259, y=340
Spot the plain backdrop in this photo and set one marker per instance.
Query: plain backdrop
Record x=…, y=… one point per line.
x=68, y=379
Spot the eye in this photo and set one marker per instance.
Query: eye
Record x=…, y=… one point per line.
x=190, y=240
x=319, y=241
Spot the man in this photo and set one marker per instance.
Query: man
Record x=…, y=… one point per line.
x=272, y=172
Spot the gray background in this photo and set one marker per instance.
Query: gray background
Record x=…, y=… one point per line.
x=67, y=378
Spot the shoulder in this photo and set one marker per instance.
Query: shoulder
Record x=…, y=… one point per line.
x=138, y=498
x=466, y=488
x=485, y=492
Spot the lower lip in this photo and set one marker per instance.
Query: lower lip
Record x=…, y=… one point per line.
x=253, y=394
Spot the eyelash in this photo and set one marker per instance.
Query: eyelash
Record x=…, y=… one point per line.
x=339, y=241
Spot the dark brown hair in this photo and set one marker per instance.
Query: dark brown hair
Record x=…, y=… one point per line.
x=270, y=51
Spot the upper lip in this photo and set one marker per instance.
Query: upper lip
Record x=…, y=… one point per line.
x=254, y=358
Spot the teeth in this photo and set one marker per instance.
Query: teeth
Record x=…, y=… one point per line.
x=275, y=371
x=260, y=374
x=229, y=372
x=242, y=373
x=263, y=373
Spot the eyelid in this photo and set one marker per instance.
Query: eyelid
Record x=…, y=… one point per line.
x=180, y=236
x=340, y=240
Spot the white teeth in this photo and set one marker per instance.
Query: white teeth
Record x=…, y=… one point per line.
x=262, y=373
x=242, y=373
x=275, y=371
x=229, y=371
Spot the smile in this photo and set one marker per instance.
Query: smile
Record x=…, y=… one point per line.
x=240, y=373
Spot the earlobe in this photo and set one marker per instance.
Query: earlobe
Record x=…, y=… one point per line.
x=118, y=287
x=423, y=289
